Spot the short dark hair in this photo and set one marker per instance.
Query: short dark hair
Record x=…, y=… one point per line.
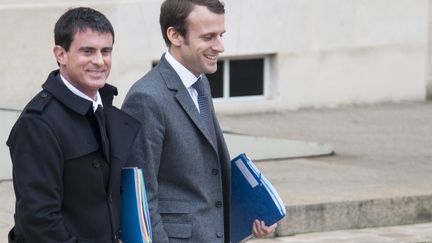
x=174, y=13
x=79, y=19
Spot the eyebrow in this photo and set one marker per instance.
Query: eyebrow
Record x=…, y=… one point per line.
x=93, y=48
x=213, y=33
x=86, y=48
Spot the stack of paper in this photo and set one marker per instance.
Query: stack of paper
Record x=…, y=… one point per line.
x=135, y=218
x=252, y=197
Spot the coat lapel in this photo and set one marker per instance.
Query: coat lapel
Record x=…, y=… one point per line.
x=122, y=130
x=174, y=83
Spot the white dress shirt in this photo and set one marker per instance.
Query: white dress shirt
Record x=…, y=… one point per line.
x=186, y=76
x=76, y=91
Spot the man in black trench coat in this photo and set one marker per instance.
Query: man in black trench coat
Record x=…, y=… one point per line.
x=69, y=144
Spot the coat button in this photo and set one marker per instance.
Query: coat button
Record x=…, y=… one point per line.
x=110, y=198
x=218, y=204
x=96, y=163
x=219, y=234
x=215, y=172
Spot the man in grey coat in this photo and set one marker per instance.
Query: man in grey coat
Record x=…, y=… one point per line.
x=186, y=162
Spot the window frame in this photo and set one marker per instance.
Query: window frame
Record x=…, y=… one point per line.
x=226, y=78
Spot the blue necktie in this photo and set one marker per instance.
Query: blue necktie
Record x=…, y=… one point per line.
x=204, y=107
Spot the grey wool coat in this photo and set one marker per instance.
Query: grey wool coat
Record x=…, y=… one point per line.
x=187, y=177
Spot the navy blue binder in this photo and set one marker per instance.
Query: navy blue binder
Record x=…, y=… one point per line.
x=135, y=218
x=252, y=197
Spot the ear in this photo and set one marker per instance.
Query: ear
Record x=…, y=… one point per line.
x=174, y=36
x=60, y=55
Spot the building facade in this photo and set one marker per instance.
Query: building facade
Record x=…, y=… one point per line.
x=279, y=54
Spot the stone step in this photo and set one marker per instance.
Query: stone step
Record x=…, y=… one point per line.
x=355, y=214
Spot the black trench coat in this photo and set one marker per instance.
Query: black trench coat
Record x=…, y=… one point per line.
x=66, y=190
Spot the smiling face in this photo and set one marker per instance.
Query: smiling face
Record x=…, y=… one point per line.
x=87, y=63
x=199, y=49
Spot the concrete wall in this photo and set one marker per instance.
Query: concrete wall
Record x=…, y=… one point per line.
x=323, y=53
x=429, y=63
x=336, y=51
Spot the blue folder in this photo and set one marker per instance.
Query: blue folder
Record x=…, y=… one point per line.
x=135, y=218
x=252, y=197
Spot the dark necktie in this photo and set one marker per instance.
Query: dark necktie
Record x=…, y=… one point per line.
x=100, y=118
x=204, y=107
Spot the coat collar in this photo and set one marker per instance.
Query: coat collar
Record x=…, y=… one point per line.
x=56, y=87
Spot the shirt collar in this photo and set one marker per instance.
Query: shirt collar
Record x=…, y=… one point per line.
x=82, y=95
x=186, y=76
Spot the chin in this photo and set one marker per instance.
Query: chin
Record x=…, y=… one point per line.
x=101, y=79
x=97, y=84
x=209, y=70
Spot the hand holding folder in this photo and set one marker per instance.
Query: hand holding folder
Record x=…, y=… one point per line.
x=260, y=229
x=252, y=197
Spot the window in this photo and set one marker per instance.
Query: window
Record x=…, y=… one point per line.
x=239, y=78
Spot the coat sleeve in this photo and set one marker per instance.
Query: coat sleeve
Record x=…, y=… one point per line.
x=37, y=175
x=147, y=151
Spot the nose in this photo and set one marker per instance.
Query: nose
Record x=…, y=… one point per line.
x=218, y=45
x=98, y=59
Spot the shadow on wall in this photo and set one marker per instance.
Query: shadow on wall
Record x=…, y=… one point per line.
x=429, y=90
x=7, y=120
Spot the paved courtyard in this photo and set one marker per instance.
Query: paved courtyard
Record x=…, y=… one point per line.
x=382, y=151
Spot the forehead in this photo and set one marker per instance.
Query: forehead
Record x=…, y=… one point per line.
x=204, y=21
x=89, y=36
